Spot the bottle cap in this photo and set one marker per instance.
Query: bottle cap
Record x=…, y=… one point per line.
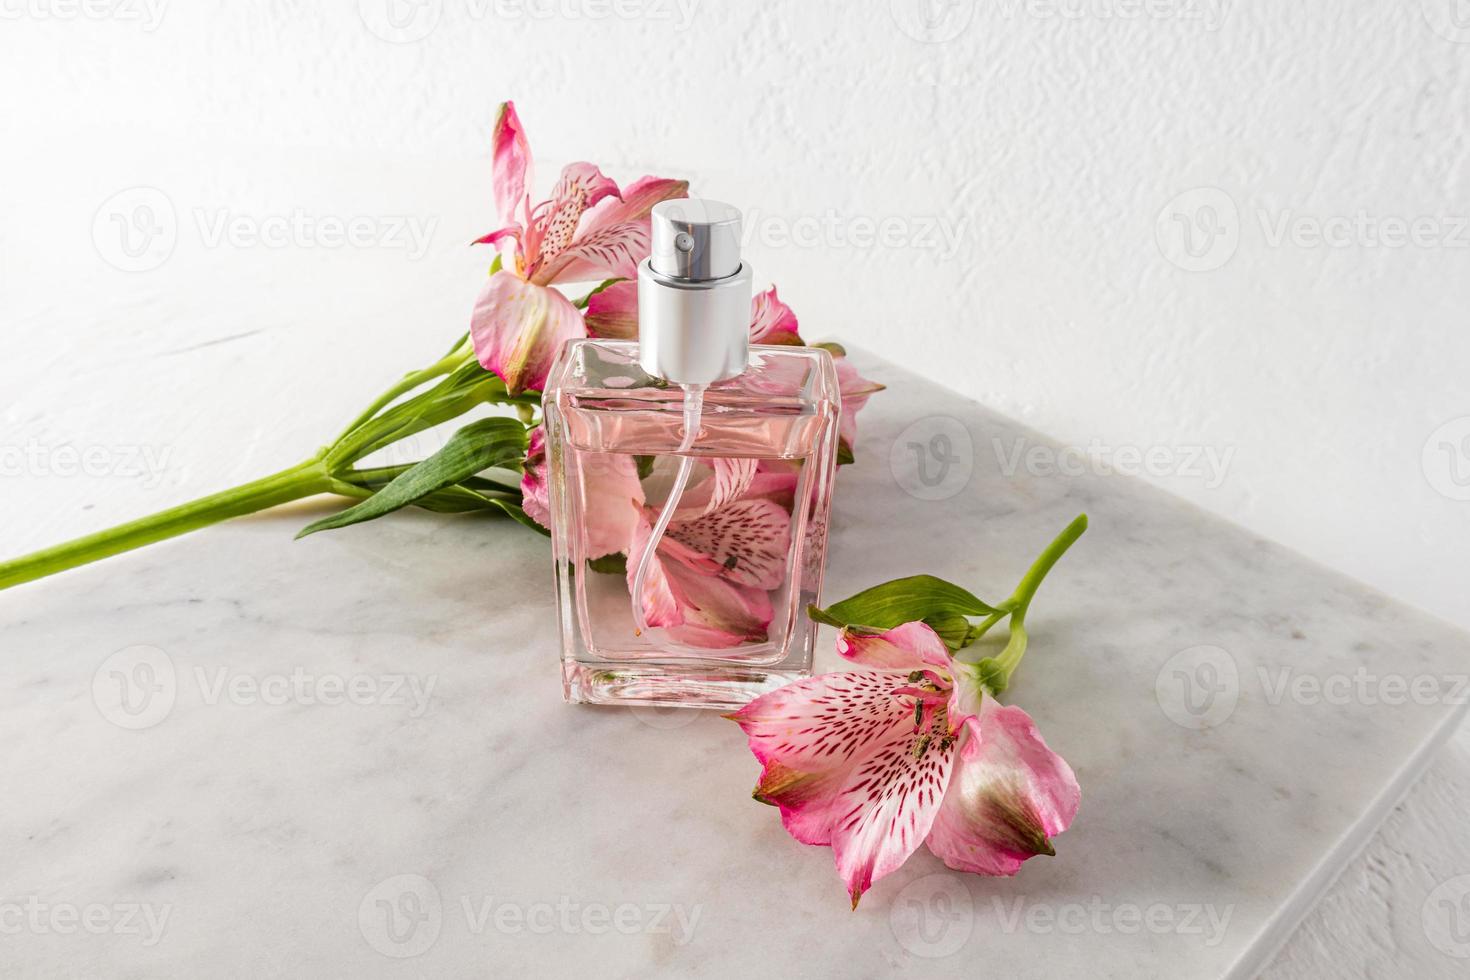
x=694, y=294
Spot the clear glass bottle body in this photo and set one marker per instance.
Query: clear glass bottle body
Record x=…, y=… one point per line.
x=726, y=594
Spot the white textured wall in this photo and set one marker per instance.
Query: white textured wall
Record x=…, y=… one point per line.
x=1096, y=215
x=1043, y=146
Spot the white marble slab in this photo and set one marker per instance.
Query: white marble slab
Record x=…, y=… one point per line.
x=226, y=821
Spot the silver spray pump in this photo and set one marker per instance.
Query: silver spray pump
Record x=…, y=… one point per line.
x=694, y=294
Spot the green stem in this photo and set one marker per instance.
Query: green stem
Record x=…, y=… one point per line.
x=983, y=627
x=1020, y=600
x=303, y=480
x=1026, y=590
x=445, y=365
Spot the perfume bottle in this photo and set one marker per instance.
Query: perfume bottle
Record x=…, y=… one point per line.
x=691, y=479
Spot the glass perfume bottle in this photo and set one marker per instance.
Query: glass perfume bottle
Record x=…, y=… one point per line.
x=691, y=480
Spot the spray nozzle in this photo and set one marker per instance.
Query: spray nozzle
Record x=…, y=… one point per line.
x=695, y=240
x=694, y=294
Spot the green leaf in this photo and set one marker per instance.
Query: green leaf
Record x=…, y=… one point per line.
x=516, y=513
x=464, y=388
x=616, y=564
x=844, y=453
x=943, y=605
x=495, y=266
x=478, y=446
x=834, y=348
x=471, y=494
x=953, y=630
x=645, y=465
x=458, y=344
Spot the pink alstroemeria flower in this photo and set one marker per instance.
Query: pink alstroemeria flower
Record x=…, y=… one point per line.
x=872, y=763
x=587, y=230
x=725, y=550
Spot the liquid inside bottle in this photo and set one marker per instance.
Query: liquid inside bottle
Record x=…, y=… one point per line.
x=724, y=598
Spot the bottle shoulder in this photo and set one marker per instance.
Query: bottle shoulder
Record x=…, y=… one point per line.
x=786, y=374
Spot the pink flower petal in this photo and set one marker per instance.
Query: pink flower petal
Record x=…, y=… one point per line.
x=911, y=646
x=613, y=312
x=1009, y=795
x=855, y=391
x=614, y=236
x=844, y=763
x=771, y=321
x=535, y=499
x=748, y=541
x=612, y=497
x=495, y=237
x=685, y=594
x=554, y=223
x=511, y=166
x=517, y=328
x=728, y=479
